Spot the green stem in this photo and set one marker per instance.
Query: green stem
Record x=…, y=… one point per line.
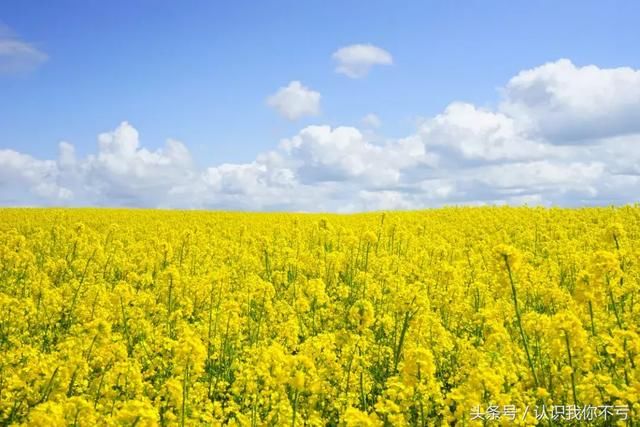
x=519, y=321
x=185, y=394
x=593, y=327
x=295, y=409
x=573, y=375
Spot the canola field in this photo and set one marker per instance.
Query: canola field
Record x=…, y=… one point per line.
x=455, y=316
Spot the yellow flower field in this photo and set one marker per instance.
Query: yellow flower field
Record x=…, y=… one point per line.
x=465, y=316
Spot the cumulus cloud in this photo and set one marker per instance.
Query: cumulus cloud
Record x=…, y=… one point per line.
x=371, y=120
x=122, y=172
x=22, y=175
x=356, y=60
x=322, y=154
x=565, y=103
x=470, y=133
x=17, y=55
x=535, y=147
x=295, y=101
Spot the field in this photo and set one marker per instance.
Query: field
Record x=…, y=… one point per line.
x=465, y=316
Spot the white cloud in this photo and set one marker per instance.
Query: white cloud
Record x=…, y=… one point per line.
x=383, y=200
x=66, y=155
x=517, y=153
x=622, y=153
x=123, y=173
x=371, y=121
x=22, y=176
x=542, y=176
x=356, y=60
x=565, y=103
x=295, y=101
x=323, y=154
x=474, y=134
x=17, y=55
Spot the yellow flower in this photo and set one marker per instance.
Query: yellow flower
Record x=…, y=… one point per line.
x=406, y=318
x=361, y=314
x=370, y=237
x=356, y=418
x=508, y=255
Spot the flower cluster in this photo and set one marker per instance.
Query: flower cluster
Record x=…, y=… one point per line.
x=151, y=318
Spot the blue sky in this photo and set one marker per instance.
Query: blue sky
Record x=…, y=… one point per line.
x=201, y=72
